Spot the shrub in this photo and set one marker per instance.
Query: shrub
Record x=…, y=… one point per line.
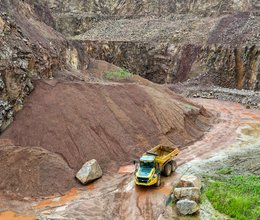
x=120, y=74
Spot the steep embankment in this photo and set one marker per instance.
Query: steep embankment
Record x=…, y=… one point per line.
x=169, y=41
x=74, y=121
x=113, y=123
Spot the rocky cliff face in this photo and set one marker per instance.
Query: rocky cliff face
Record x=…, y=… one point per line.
x=153, y=7
x=29, y=49
x=169, y=41
x=164, y=41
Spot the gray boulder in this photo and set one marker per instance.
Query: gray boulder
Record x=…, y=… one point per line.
x=191, y=193
x=190, y=181
x=187, y=207
x=90, y=171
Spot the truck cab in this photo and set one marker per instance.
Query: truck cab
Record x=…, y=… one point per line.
x=154, y=162
x=147, y=172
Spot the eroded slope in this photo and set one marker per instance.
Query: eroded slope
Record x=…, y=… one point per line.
x=111, y=122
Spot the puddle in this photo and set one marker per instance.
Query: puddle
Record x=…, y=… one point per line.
x=71, y=195
x=129, y=187
x=90, y=186
x=127, y=169
x=251, y=129
x=166, y=190
x=9, y=215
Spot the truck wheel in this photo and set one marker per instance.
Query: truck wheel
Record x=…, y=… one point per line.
x=158, y=183
x=174, y=166
x=167, y=169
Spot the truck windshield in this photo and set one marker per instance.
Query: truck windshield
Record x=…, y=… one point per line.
x=146, y=164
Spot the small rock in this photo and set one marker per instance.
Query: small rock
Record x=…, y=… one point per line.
x=187, y=207
x=89, y=172
x=191, y=193
x=190, y=181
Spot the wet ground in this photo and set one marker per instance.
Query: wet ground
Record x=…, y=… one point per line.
x=115, y=196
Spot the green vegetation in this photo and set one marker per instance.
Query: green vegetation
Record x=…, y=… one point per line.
x=120, y=74
x=236, y=196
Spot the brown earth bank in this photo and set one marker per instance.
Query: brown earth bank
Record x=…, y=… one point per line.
x=73, y=122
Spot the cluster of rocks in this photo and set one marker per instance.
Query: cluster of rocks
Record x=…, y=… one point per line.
x=248, y=98
x=15, y=82
x=187, y=195
x=6, y=114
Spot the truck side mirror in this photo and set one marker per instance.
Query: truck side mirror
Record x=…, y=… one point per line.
x=136, y=165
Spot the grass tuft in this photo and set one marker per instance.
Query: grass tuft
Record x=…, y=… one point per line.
x=120, y=74
x=236, y=196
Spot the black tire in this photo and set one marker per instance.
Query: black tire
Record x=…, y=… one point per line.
x=158, y=183
x=174, y=165
x=167, y=169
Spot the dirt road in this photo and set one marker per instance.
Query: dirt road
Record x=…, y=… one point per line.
x=115, y=196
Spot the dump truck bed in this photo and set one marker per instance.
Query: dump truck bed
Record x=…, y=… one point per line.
x=163, y=153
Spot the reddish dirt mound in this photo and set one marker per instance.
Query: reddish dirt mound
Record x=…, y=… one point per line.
x=111, y=122
x=33, y=172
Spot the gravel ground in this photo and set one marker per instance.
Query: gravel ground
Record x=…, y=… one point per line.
x=249, y=98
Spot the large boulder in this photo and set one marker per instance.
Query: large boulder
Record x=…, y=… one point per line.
x=90, y=171
x=190, y=181
x=187, y=207
x=191, y=193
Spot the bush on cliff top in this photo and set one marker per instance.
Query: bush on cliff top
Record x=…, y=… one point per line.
x=119, y=74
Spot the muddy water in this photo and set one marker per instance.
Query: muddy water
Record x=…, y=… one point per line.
x=231, y=116
x=9, y=215
x=115, y=196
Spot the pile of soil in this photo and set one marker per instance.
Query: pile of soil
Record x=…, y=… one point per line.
x=33, y=171
x=75, y=121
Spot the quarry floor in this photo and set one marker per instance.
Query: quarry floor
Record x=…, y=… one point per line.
x=115, y=196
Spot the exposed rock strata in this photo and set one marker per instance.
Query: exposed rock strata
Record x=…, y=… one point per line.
x=169, y=41
x=29, y=49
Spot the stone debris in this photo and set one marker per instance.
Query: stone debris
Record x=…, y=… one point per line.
x=187, y=207
x=190, y=181
x=191, y=193
x=187, y=195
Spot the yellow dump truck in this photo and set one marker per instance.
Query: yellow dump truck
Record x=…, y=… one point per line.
x=157, y=161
